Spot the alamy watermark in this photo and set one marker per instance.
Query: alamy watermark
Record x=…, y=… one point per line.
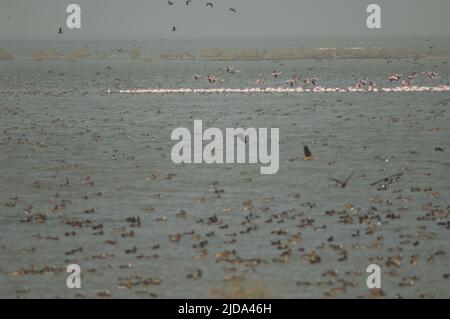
x=191, y=149
x=374, y=19
x=74, y=279
x=73, y=20
x=374, y=279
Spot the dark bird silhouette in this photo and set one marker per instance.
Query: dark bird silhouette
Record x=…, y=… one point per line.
x=290, y=82
x=344, y=183
x=174, y=28
x=387, y=179
x=188, y=2
x=233, y=10
x=171, y=3
x=308, y=155
x=313, y=81
x=210, y=4
x=60, y=31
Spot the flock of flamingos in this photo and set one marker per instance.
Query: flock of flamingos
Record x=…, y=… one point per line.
x=307, y=85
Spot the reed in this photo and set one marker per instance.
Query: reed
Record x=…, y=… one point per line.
x=79, y=53
x=46, y=55
x=5, y=55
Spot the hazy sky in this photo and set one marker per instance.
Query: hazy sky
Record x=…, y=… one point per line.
x=25, y=19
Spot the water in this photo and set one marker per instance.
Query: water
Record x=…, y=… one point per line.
x=59, y=126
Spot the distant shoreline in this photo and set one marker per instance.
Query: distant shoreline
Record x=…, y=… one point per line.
x=218, y=54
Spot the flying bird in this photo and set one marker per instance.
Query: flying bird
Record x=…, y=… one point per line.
x=409, y=79
x=344, y=183
x=432, y=75
x=171, y=3
x=290, y=82
x=361, y=84
x=174, y=28
x=276, y=74
x=233, y=10
x=388, y=179
x=394, y=77
x=231, y=69
x=312, y=81
x=308, y=155
x=60, y=31
x=210, y=4
x=188, y=2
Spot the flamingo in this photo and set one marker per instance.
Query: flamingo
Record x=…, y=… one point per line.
x=276, y=74
x=394, y=77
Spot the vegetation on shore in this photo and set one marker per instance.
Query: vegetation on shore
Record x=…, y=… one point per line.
x=46, y=55
x=5, y=55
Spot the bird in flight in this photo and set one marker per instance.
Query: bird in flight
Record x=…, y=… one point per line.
x=259, y=81
x=188, y=2
x=394, y=77
x=344, y=183
x=307, y=152
x=174, y=28
x=388, y=179
x=60, y=31
x=171, y=3
x=233, y=10
x=313, y=81
x=210, y=4
x=276, y=74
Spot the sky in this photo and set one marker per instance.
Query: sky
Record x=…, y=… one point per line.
x=120, y=19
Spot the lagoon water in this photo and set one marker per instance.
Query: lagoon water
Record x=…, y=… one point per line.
x=79, y=166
